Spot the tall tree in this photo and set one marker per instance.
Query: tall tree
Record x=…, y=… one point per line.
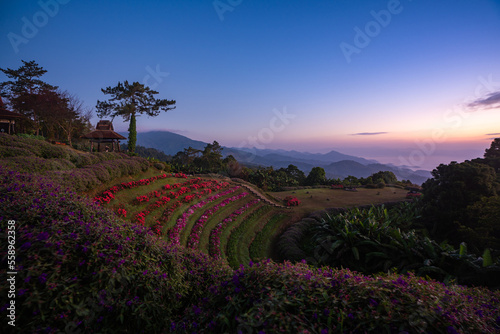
x=316, y=176
x=130, y=100
x=211, y=159
x=494, y=151
x=447, y=195
x=74, y=119
x=22, y=90
x=52, y=107
x=384, y=176
x=296, y=176
x=492, y=156
x=186, y=157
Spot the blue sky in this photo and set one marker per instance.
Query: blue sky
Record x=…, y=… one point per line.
x=408, y=82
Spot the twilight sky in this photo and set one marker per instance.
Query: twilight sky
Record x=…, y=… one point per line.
x=414, y=82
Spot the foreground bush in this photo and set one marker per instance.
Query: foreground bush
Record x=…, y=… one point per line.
x=286, y=298
x=82, y=269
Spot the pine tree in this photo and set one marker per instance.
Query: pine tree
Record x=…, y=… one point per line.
x=24, y=89
x=128, y=101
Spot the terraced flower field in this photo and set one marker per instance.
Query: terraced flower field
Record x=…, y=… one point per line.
x=218, y=217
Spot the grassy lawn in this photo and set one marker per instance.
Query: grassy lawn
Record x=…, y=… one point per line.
x=318, y=199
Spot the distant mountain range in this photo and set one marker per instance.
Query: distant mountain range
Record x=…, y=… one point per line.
x=335, y=164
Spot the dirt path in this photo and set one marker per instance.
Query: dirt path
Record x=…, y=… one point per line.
x=259, y=194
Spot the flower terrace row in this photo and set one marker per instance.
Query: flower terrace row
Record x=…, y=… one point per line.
x=109, y=194
x=214, y=243
x=194, y=236
x=207, y=188
x=174, y=232
x=193, y=184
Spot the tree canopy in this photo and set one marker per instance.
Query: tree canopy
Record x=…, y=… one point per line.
x=316, y=176
x=494, y=151
x=449, y=195
x=23, y=92
x=54, y=113
x=129, y=100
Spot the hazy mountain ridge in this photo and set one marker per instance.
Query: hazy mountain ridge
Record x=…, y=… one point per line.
x=336, y=164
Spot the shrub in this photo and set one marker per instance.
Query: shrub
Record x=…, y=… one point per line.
x=6, y=152
x=81, y=269
x=49, y=151
x=33, y=164
x=159, y=165
x=26, y=135
x=84, y=159
x=373, y=240
x=291, y=201
x=269, y=297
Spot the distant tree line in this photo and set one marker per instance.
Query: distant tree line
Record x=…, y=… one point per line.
x=148, y=153
x=210, y=160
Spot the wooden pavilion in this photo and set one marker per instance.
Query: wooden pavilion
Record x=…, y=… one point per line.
x=8, y=119
x=105, y=136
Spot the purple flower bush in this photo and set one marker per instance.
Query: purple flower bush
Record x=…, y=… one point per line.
x=269, y=297
x=80, y=268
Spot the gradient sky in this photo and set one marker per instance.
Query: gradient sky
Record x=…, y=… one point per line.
x=411, y=82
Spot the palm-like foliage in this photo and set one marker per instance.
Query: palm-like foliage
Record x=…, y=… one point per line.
x=377, y=240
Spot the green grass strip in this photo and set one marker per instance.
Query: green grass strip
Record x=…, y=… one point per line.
x=260, y=246
x=186, y=231
x=226, y=233
x=217, y=218
x=234, y=244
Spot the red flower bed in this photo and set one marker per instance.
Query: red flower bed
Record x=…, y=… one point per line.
x=413, y=195
x=107, y=195
x=292, y=201
x=208, y=187
x=122, y=212
x=337, y=186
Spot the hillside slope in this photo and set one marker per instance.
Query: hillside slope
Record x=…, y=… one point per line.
x=80, y=268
